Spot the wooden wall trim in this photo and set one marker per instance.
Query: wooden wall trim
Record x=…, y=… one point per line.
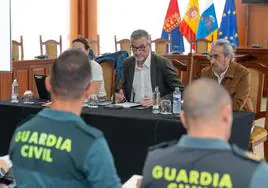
x=83, y=18
x=5, y=85
x=252, y=20
x=73, y=19
x=242, y=20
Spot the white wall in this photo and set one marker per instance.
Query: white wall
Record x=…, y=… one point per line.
x=31, y=18
x=121, y=17
x=5, y=56
x=50, y=18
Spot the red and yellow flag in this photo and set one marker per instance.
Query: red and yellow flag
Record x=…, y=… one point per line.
x=189, y=24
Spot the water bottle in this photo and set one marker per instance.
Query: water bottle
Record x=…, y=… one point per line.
x=176, y=101
x=156, y=99
x=15, y=92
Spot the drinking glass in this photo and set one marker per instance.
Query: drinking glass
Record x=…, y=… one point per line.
x=28, y=97
x=165, y=106
x=93, y=101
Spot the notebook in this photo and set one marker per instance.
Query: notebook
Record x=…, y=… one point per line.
x=41, y=87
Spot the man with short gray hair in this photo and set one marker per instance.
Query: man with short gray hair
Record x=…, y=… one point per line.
x=204, y=158
x=144, y=71
x=234, y=77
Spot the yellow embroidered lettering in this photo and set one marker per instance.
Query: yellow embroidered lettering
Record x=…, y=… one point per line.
x=38, y=152
x=205, y=178
x=25, y=136
x=172, y=185
x=18, y=136
x=193, y=177
x=157, y=172
x=170, y=173
x=182, y=176
x=59, y=141
x=34, y=138
x=42, y=139
x=226, y=181
x=67, y=145
x=51, y=140
x=23, y=150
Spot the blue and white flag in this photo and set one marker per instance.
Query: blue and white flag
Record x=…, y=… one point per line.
x=208, y=24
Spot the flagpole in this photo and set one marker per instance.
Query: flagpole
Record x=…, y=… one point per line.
x=190, y=60
x=191, y=44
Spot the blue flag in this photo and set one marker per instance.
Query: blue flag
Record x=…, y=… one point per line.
x=171, y=26
x=228, y=29
x=208, y=24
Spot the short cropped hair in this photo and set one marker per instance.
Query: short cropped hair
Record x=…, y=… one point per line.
x=82, y=40
x=228, y=48
x=137, y=34
x=71, y=74
x=204, y=98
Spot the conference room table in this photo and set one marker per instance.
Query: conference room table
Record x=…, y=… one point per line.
x=129, y=132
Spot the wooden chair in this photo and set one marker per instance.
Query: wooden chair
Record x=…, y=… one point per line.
x=162, y=46
x=95, y=45
x=124, y=45
x=258, y=73
x=200, y=45
x=109, y=78
x=51, y=47
x=17, y=50
x=181, y=69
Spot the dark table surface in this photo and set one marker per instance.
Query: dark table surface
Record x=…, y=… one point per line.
x=129, y=132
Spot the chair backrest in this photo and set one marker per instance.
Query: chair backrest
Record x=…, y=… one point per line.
x=109, y=78
x=258, y=72
x=95, y=45
x=17, y=50
x=162, y=46
x=180, y=68
x=124, y=45
x=51, y=47
x=201, y=45
x=256, y=88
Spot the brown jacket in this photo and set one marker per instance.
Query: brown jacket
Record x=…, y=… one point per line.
x=237, y=82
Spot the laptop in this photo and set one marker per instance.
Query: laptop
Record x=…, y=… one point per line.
x=41, y=87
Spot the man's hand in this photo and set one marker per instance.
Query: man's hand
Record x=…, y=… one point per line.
x=147, y=101
x=119, y=97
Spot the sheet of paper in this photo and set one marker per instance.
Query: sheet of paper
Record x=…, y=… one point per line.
x=7, y=160
x=133, y=182
x=128, y=104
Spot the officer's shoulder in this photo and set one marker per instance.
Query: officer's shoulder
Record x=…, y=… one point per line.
x=163, y=146
x=24, y=124
x=89, y=130
x=245, y=154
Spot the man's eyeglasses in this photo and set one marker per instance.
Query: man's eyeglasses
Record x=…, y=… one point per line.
x=212, y=56
x=140, y=48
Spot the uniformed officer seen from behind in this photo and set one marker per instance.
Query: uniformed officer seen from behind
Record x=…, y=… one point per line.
x=204, y=158
x=56, y=148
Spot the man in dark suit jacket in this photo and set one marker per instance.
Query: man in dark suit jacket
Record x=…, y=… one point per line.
x=146, y=70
